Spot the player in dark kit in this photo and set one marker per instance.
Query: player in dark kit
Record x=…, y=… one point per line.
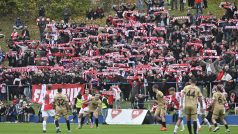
x=161, y=109
x=62, y=109
x=219, y=100
x=191, y=94
x=95, y=108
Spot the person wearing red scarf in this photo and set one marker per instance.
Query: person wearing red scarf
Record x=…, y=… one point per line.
x=220, y=75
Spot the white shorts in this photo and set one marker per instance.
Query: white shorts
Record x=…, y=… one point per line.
x=200, y=113
x=180, y=113
x=46, y=113
x=82, y=110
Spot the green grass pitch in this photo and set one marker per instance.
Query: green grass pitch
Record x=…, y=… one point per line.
x=12, y=128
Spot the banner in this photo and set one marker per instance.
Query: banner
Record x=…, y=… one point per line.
x=126, y=116
x=71, y=90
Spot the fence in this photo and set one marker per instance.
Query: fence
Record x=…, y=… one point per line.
x=236, y=108
x=12, y=90
x=206, y=88
x=26, y=90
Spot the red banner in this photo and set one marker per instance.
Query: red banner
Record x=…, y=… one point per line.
x=71, y=90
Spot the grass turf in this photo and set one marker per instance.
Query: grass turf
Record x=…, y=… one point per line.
x=7, y=128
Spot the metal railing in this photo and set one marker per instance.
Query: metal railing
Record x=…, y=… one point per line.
x=12, y=90
x=236, y=108
x=26, y=89
x=124, y=103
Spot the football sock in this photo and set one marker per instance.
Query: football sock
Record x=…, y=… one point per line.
x=91, y=118
x=159, y=121
x=198, y=124
x=75, y=116
x=164, y=124
x=57, y=123
x=226, y=126
x=79, y=120
x=182, y=125
x=44, y=125
x=176, y=128
x=96, y=121
x=189, y=127
x=82, y=120
x=195, y=127
x=215, y=124
x=208, y=123
x=68, y=124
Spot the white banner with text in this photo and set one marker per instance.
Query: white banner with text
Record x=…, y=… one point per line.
x=126, y=116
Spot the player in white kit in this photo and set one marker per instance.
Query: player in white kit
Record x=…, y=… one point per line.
x=84, y=111
x=203, y=116
x=47, y=108
x=176, y=100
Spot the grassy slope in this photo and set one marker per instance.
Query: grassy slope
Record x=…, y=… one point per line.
x=108, y=129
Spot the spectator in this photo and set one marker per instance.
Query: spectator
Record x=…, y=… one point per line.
x=17, y=87
x=182, y=3
x=99, y=13
x=226, y=31
x=230, y=10
x=20, y=111
x=41, y=23
x=205, y=4
x=219, y=36
x=2, y=111
x=25, y=34
x=210, y=66
x=209, y=79
x=110, y=100
x=94, y=14
x=174, y=4
x=104, y=108
x=233, y=99
x=66, y=15
x=117, y=95
x=140, y=5
x=191, y=3
x=149, y=4
x=29, y=111
x=12, y=113
x=134, y=91
x=89, y=14
x=120, y=10
x=198, y=6
x=18, y=24
x=2, y=55
x=140, y=98
x=42, y=11
x=14, y=35
x=76, y=106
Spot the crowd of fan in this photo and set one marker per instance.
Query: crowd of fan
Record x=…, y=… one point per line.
x=134, y=47
x=19, y=110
